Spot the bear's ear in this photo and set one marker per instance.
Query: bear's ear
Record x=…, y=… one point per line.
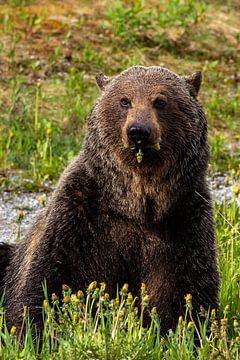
x=102, y=80
x=194, y=82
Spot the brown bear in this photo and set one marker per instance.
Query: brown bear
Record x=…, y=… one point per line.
x=132, y=207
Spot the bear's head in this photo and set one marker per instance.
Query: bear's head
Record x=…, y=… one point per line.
x=149, y=116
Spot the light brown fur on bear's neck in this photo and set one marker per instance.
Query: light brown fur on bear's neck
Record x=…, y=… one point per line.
x=135, y=192
x=137, y=188
x=127, y=192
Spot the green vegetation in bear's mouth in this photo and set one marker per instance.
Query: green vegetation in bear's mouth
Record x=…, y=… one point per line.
x=139, y=156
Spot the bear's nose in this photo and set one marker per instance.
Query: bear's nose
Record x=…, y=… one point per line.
x=138, y=134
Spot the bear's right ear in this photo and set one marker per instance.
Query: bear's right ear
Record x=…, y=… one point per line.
x=194, y=82
x=102, y=80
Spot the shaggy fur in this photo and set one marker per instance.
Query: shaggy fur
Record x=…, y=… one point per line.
x=6, y=252
x=111, y=219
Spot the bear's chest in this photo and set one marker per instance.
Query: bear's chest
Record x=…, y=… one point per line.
x=127, y=237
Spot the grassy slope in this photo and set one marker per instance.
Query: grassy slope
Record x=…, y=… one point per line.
x=49, y=57
x=61, y=48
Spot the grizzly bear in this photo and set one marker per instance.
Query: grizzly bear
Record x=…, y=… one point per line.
x=132, y=207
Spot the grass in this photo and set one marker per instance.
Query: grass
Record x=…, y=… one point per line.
x=50, y=54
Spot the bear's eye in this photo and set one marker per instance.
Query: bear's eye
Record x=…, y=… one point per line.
x=159, y=103
x=125, y=102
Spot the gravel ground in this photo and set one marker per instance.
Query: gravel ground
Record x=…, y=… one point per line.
x=10, y=205
x=30, y=204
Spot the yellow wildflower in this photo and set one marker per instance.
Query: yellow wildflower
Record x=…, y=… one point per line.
x=13, y=330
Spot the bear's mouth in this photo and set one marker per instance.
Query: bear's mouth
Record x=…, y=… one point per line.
x=140, y=151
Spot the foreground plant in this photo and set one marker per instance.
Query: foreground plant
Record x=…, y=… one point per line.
x=91, y=325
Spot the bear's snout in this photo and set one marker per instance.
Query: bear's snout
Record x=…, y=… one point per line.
x=138, y=134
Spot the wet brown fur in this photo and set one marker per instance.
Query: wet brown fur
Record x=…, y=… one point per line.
x=111, y=219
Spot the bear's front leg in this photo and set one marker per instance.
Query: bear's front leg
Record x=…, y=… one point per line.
x=183, y=262
x=60, y=250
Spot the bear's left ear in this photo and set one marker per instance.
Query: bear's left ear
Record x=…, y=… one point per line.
x=194, y=82
x=102, y=80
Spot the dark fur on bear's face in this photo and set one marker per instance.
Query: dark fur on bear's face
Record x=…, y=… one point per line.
x=159, y=99
x=114, y=220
